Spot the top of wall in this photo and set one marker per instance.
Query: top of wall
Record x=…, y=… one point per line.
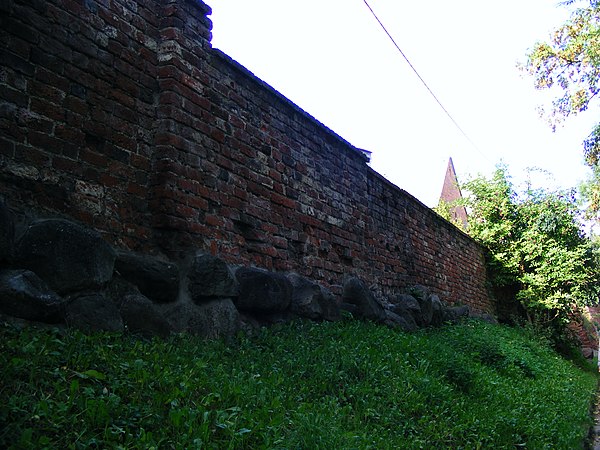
x=282, y=98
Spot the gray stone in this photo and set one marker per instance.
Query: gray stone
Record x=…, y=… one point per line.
x=93, y=312
x=405, y=303
x=311, y=300
x=484, y=317
x=356, y=293
x=330, y=305
x=278, y=318
x=141, y=316
x=156, y=279
x=349, y=307
x=425, y=308
x=455, y=313
x=437, y=311
x=25, y=295
x=249, y=324
x=7, y=233
x=408, y=319
x=405, y=323
x=23, y=324
x=65, y=255
x=118, y=287
x=419, y=291
x=210, y=278
x=210, y=320
x=262, y=291
x=426, y=315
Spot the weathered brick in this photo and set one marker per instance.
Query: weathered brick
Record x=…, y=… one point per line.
x=191, y=147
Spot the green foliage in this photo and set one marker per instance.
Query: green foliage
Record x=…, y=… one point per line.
x=590, y=192
x=493, y=221
x=305, y=385
x=536, y=245
x=569, y=63
x=444, y=209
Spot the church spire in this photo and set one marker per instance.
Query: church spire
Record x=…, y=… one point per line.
x=451, y=193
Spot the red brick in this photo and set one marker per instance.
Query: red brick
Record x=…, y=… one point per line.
x=34, y=155
x=188, y=145
x=47, y=109
x=109, y=181
x=213, y=221
x=94, y=158
x=66, y=165
x=137, y=189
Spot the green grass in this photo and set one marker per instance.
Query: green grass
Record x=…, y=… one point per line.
x=304, y=385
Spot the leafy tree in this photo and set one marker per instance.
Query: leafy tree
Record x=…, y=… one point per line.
x=590, y=192
x=536, y=244
x=445, y=209
x=571, y=62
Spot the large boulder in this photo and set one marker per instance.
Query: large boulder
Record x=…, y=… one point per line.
x=262, y=291
x=365, y=304
x=403, y=304
x=65, y=255
x=210, y=320
x=249, y=324
x=311, y=300
x=25, y=295
x=7, y=233
x=426, y=314
x=91, y=312
x=437, y=311
x=456, y=313
x=419, y=291
x=484, y=317
x=118, y=288
x=209, y=278
x=156, y=279
x=270, y=319
x=421, y=306
x=405, y=323
x=140, y=315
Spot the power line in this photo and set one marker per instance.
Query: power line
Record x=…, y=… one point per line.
x=424, y=83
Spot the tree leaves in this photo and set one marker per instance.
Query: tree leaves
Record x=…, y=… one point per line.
x=536, y=243
x=570, y=62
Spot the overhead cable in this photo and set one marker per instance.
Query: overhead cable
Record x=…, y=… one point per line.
x=423, y=81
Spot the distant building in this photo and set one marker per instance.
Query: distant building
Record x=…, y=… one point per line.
x=451, y=193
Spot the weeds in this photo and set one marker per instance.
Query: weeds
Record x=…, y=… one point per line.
x=331, y=385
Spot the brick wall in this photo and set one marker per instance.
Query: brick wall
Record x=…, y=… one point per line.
x=121, y=115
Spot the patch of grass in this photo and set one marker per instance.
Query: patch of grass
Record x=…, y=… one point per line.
x=304, y=385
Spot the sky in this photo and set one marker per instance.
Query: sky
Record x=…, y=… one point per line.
x=332, y=59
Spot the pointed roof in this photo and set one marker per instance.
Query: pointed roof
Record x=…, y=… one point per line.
x=451, y=192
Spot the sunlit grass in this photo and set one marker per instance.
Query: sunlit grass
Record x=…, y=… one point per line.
x=304, y=385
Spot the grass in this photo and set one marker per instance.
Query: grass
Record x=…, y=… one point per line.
x=304, y=385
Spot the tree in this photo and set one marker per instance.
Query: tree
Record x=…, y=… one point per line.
x=570, y=64
x=536, y=244
x=590, y=193
x=570, y=61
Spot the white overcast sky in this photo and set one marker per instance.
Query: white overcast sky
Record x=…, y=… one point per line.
x=332, y=59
